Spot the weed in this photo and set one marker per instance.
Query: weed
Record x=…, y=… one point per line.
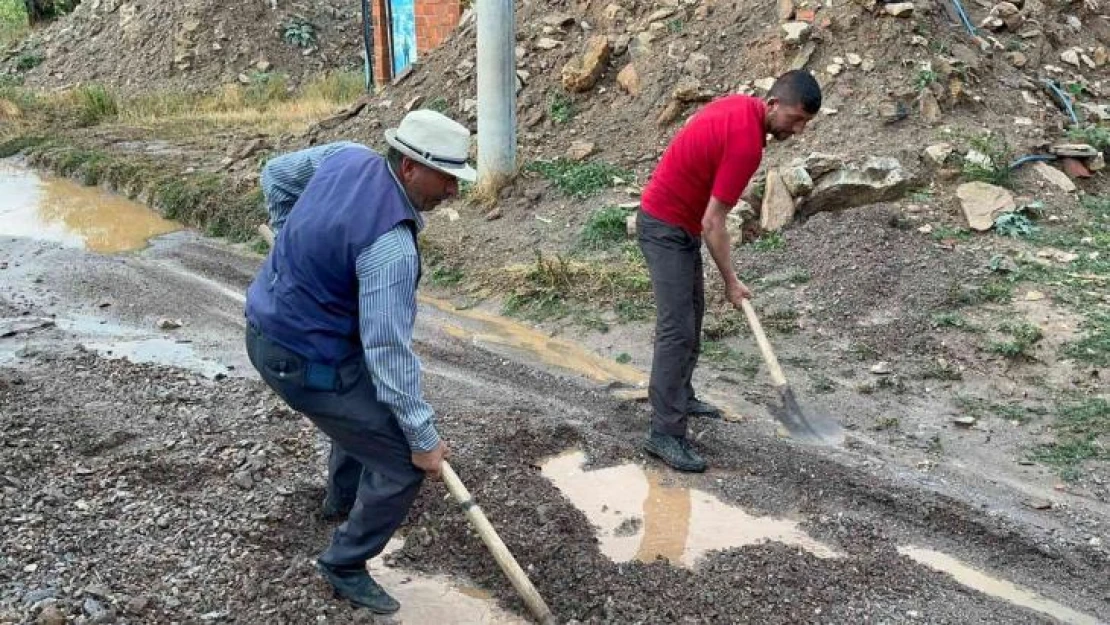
x=886, y=423
x=722, y=326
x=946, y=233
x=954, y=320
x=925, y=78
x=729, y=359
x=1094, y=346
x=446, y=276
x=784, y=321
x=95, y=104
x=997, y=170
x=623, y=358
x=823, y=384
x=935, y=446
x=1023, y=336
x=14, y=146
x=941, y=370
x=264, y=88
x=794, y=277
x=996, y=291
x=1097, y=136
x=554, y=287
x=579, y=180
x=28, y=60
x=438, y=104
x=1015, y=225
x=632, y=310
x=604, y=228
x=863, y=352
x=299, y=32
x=13, y=22
x=1081, y=428
x=560, y=108
x=921, y=196
x=339, y=86
x=675, y=26
x=769, y=242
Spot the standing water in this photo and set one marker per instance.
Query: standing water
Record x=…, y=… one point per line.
x=54, y=209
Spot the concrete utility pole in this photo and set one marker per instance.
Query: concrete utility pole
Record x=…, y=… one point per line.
x=496, y=92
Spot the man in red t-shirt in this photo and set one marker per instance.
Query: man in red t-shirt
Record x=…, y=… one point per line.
x=699, y=180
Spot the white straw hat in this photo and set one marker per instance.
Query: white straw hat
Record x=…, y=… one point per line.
x=435, y=140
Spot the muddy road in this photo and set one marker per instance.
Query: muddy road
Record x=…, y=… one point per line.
x=147, y=476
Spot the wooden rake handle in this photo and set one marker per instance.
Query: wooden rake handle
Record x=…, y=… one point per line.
x=500, y=552
x=777, y=377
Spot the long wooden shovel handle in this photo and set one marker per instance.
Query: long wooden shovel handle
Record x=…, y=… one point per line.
x=500, y=552
x=777, y=377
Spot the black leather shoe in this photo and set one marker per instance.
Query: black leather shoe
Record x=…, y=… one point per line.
x=359, y=588
x=705, y=410
x=335, y=510
x=675, y=451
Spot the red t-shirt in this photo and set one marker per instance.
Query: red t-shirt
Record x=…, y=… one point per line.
x=715, y=154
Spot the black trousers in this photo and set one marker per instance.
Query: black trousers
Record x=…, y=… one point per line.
x=678, y=282
x=370, y=459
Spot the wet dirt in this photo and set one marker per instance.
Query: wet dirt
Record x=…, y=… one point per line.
x=200, y=494
x=56, y=209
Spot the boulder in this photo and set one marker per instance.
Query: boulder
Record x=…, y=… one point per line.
x=818, y=164
x=795, y=33
x=937, y=154
x=581, y=150
x=1075, y=150
x=982, y=203
x=877, y=180
x=778, y=204
x=797, y=180
x=629, y=80
x=689, y=89
x=582, y=73
x=1054, y=176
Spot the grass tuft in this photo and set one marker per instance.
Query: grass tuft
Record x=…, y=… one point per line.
x=580, y=180
x=604, y=229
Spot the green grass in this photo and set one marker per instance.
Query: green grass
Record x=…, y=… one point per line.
x=95, y=104
x=445, y=276
x=1022, y=338
x=783, y=321
x=793, y=277
x=604, y=229
x=1094, y=346
x=1014, y=225
x=1082, y=429
x=723, y=325
x=943, y=233
x=340, y=86
x=769, y=242
x=438, y=104
x=1094, y=135
x=995, y=291
x=13, y=22
x=579, y=179
x=1000, y=154
x=555, y=287
x=955, y=321
x=729, y=359
x=29, y=60
x=924, y=78
x=980, y=408
x=623, y=358
x=822, y=384
x=561, y=108
x=634, y=310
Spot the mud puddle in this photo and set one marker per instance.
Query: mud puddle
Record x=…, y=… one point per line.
x=995, y=587
x=437, y=599
x=53, y=209
x=638, y=517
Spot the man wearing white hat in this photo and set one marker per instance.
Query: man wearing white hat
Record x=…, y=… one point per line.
x=330, y=319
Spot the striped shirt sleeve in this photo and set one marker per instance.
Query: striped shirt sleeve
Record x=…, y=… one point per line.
x=387, y=274
x=285, y=177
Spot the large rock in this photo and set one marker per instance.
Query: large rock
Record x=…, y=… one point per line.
x=797, y=180
x=689, y=89
x=795, y=33
x=778, y=204
x=878, y=180
x=938, y=153
x=818, y=163
x=1056, y=177
x=582, y=73
x=982, y=203
x=785, y=10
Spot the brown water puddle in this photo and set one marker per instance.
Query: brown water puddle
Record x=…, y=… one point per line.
x=638, y=517
x=59, y=210
x=986, y=584
x=428, y=600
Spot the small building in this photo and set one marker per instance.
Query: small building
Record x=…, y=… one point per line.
x=404, y=30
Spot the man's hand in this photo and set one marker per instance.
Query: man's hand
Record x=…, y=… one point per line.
x=737, y=292
x=431, y=462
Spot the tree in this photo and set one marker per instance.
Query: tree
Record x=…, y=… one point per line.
x=43, y=10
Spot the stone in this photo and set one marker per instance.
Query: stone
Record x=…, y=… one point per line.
x=661, y=14
x=1075, y=167
x=42, y=594
x=1075, y=150
x=689, y=89
x=882, y=368
x=877, y=180
x=1017, y=59
x=1101, y=56
x=582, y=73
x=1056, y=177
x=1059, y=256
x=263, y=65
x=765, y=84
x=1038, y=504
x=669, y=113
x=51, y=615
x=165, y=323
x=868, y=65
x=629, y=80
x=833, y=69
x=801, y=59
x=854, y=59
x=819, y=163
x=243, y=480
x=975, y=157
x=893, y=111
x=559, y=20
x=938, y=153
x=982, y=203
x=778, y=205
x=93, y=608
x=965, y=421
x=929, y=107
x=547, y=43
x=1095, y=112
x=1098, y=163
x=899, y=9
x=244, y=79
x=1034, y=296
x=612, y=12
x=581, y=150
x=699, y=65
x=785, y=10
x=797, y=180
x=796, y=33
x=1071, y=56
x=630, y=225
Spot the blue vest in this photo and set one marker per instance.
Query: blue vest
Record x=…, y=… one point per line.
x=305, y=296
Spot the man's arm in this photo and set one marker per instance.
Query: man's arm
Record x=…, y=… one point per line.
x=387, y=273
x=285, y=177
x=715, y=233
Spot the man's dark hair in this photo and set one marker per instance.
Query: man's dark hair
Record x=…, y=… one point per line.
x=798, y=87
x=393, y=156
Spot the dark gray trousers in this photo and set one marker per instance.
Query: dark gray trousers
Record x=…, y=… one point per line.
x=674, y=261
x=370, y=458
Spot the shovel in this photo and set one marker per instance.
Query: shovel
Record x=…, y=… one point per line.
x=807, y=427
x=497, y=548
